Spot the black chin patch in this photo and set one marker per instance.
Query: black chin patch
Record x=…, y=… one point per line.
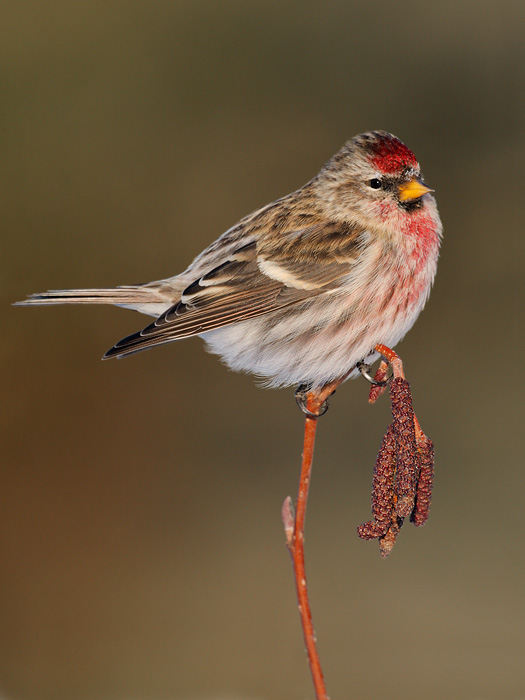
x=411, y=204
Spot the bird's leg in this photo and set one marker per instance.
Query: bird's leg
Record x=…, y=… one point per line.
x=403, y=473
x=313, y=403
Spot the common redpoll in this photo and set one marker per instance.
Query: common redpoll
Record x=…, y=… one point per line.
x=300, y=291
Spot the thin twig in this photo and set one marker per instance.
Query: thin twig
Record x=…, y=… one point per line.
x=294, y=531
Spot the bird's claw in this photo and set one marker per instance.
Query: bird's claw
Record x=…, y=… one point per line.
x=365, y=368
x=301, y=398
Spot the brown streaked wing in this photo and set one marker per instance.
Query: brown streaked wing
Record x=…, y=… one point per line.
x=327, y=252
x=238, y=290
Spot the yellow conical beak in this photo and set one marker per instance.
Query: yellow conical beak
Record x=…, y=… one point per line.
x=413, y=190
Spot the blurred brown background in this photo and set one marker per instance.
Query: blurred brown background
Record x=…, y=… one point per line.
x=141, y=547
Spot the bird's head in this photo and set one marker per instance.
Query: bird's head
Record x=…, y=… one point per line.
x=374, y=178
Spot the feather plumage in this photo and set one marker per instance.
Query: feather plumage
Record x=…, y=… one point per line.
x=303, y=288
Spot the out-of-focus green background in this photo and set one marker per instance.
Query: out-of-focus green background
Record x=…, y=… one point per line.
x=141, y=547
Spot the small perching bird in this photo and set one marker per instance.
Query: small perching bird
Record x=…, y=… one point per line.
x=303, y=289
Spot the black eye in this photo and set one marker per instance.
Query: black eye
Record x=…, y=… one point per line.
x=375, y=184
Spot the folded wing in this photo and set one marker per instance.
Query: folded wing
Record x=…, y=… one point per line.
x=256, y=279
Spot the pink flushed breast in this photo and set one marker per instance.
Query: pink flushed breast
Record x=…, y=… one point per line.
x=420, y=225
x=422, y=228
x=422, y=237
x=409, y=269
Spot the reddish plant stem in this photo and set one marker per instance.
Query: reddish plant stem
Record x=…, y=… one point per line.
x=393, y=358
x=294, y=529
x=297, y=552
